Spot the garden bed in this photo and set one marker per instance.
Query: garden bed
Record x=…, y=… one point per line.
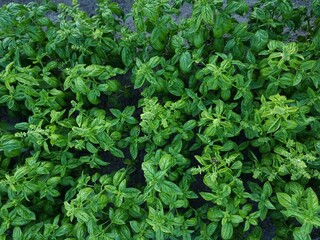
x=181, y=121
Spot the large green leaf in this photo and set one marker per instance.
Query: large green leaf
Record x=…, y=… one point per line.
x=285, y=200
x=227, y=230
x=222, y=25
x=259, y=41
x=10, y=146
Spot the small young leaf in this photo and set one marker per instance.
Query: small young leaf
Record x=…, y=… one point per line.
x=189, y=125
x=82, y=215
x=135, y=226
x=235, y=219
x=134, y=150
x=207, y=196
x=267, y=189
x=185, y=62
x=93, y=96
x=126, y=56
x=116, y=152
x=91, y=148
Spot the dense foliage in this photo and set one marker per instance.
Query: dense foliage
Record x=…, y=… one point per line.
x=202, y=127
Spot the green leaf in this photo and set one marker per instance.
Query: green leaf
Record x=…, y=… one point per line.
x=131, y=192
x=126, y=56
x=235, y=219
x=151, y=11
x=207, y=196
x=294, y=187
x=91, y=148
x=219, y=107
x=240, y=7
x=285, y=200
x=254, y=187
x=80, y=86
x=227, y=230
x=139, y=80
x=299, y=234
x=207, y=14
x=290, y=124
x=134, y=150
x=236, y=165
x=64, y=230
x=159, y=36
x=5, y=98
x=148, y=170
x=176, y=87
x=222, y=25
x=297, y=79
x=17, y=234
x=93, y=96
x=176, y=42
x=240, y=30
x=19, y=221
x=259, y=41
x=198, y=39
x=267, y=189
x=189, y=125
x=113, y=85
x=135, y=226
x=307, y=65
x=250, y=57
x=215, y=214
x=25, y=213
x=117, y=217
x=99, y=161
x=211, y=228
x=95, y=70
x=273, y=125
x=118, y=177
x=170, y=188
x=11, y=147
x=316, y=7
x=36, y=33
x=210, y=130
x=29, y=51
x=3, y=228
x=154, y=61
x=269, y=205
x=82, y=216
x=185, y=61
x=166, y=162
x=116, y=112
x=116, y=152
x=84, y=194
x=26, y=79
x=312, y=199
